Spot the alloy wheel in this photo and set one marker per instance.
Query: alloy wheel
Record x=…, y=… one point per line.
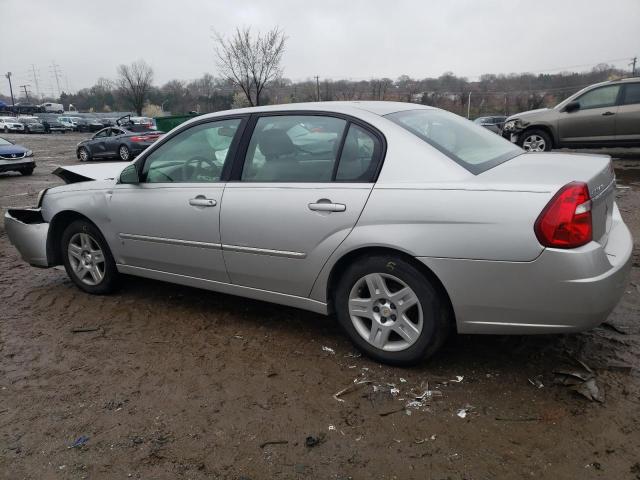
x=386, y=312
x=84, y=155
x=124, y=153
x=86, y=258
x=534, y=143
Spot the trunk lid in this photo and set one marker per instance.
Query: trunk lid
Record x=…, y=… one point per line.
x=548, y=172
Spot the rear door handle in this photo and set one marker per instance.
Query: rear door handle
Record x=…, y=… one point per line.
x=327, y=206
x=202, y=201
x=606, y=114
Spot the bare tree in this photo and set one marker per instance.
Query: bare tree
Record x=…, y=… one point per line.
x=249, y=61
x=134, y=82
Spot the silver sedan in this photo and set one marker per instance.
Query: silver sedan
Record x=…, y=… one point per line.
x=405, y=221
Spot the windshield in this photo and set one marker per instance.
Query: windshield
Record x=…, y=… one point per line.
x=5, y=142
x=475, y=148
x=28, y=120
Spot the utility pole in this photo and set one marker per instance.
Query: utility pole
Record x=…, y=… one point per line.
x=56, y=73
x=26, y=94
x=469, y=106
x=317, y=88
x=35, y=81
x=634, y=60
x=8, y=75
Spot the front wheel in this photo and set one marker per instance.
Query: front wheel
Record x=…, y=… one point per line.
x=124, y=153
x=83, y=154
x=87, y=258
x=536, y=141
x=391, y=310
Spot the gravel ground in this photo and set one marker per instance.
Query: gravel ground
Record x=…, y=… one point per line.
x=174, y=382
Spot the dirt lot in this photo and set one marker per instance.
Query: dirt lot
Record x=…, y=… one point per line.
x=183, y=383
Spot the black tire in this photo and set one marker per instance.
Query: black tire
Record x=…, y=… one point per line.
x=124, y=153
x=27, y=130
x=109, y=279
x=437, y=317
x=27, y=171
x=84, y=154
x=548, y=141
x=6, y=130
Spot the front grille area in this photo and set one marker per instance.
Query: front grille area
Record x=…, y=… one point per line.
x=11, y=156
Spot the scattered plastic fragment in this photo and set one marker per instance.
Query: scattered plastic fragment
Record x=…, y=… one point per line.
x=458, y=379
x=80, y=441
x=332, y=427
x=354, y=386
x=462, y=413
x=312, y=441
x=329, y=350
x=536, y=381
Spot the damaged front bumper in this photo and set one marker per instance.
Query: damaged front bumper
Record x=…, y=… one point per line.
x=28, y=232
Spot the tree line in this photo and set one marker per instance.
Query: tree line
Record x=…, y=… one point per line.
x=250, y=73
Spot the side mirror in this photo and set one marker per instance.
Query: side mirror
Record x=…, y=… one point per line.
x=572, y=106
x=129, y=175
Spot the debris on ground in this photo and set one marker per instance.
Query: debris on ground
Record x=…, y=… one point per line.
x=85, y=329
x=615, y=328
x=351, y=388
x=328, y=350
x=458, y=379
x=274, y=442
x=536, y=381
x=464, y=411
x=313, y=441
x=80, y=442
x=582, y=382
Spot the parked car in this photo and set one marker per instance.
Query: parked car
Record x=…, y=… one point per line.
x=15, y=158
x=602, y=115
x=32, y=124
x=411, y=223
x=493, y=122
x=53, y=125
x=11, y=124
x=144, y=121
x=87, y=124
x=52, y=107
x=116, y=142
x=69, y=122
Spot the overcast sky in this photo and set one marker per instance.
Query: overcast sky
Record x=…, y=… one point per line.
x=334, y=39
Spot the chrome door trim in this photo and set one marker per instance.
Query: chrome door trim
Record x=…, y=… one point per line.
x=263, y=251
x=228, y=288
x=214, y=246
x=170, y=241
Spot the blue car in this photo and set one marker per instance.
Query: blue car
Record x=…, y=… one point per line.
x=15, y=158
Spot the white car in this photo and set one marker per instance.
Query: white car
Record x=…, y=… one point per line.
x=53, y=107
x=11, y=124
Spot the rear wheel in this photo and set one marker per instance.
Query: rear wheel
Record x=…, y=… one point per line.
x=124, y=153
x=87, y=258
x=83, y=154
x=536, y=141
x=391, y=310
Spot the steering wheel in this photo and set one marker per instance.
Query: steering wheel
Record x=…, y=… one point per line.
x=196, y=166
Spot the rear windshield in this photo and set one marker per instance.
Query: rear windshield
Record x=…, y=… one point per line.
x=472, y=146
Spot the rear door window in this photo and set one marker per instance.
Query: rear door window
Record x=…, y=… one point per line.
x=631, y=94
x=293, y=148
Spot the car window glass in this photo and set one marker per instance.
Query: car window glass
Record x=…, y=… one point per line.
x=472, y=146
x=358, y=160
x=600, y=97
x=102, y=133
x=632, y=93
x=197, y=154
x=293, y=148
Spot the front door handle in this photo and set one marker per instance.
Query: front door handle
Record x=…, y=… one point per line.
x=606, y=114
x=324, y=205
x=202, y=201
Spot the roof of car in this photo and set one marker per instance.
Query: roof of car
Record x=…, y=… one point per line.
x=375, y=107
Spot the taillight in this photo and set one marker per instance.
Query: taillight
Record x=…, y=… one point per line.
x=566, y=220
x=139, y=139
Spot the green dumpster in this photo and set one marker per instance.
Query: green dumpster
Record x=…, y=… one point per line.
x=164, y=124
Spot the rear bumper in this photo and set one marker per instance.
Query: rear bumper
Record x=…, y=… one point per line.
x=28, y=232
x=560, y=291
x=16, y=165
